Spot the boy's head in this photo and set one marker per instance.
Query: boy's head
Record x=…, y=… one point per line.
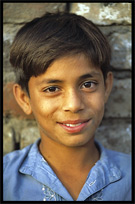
x=43, y=40
x=62, y=60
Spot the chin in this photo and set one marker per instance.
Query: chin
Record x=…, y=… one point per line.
x=77, y=142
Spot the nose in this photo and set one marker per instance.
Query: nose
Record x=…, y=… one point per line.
x=73, y=101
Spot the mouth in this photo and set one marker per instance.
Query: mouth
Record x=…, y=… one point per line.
x=75, y=126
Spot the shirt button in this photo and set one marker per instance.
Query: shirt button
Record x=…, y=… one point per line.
x=43, y=188
x=92, y=183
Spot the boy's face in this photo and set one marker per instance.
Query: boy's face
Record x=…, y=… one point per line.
x=68, y=100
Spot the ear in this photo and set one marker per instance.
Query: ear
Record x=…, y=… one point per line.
x=22, y=98
x=108, y=85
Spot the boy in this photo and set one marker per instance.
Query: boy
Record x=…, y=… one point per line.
x=62, y=64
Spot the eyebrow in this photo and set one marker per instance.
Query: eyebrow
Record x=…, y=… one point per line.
x=93, y=74
x=54, y=81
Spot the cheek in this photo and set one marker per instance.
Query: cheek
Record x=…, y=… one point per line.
x=44, y=109
x=100, y=112
x=96, y=104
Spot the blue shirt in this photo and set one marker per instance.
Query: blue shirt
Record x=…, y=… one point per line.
x=28, y=177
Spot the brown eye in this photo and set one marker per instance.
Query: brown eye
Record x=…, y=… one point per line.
x=89, y=84
x=51, y=89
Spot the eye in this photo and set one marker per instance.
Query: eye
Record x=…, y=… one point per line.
x=89, y=85
x=51, y=89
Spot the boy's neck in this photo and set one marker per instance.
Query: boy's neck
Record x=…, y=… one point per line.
x=63, y=157
x=70, y=164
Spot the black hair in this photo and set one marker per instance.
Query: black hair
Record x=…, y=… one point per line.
x=41, y=41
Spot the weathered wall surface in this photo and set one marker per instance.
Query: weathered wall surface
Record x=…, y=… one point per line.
x=114, y=19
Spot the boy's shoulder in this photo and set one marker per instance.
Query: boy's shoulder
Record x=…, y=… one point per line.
x=16, y=157
x=119, y=156
x=121, y=160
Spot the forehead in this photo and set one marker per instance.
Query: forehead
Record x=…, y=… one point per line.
x=76, y=64
x=73, y=67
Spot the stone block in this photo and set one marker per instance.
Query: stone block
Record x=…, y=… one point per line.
x=10, y=106
x=8, y=76
x=125, y=74
x=115, y=134
x=104, y=13
x=121, y=50
x=119, y=38
x=28, y=136
x=12, y=129
x=119, y=103
x=8, y=140
x=9, y=32
x=24, y=12
x=109, y=30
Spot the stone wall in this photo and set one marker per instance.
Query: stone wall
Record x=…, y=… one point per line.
x=114, y=20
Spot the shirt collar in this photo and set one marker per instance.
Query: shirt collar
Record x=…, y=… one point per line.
x=37, y=167
x=102, y=174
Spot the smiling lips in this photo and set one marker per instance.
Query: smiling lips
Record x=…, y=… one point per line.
x=74, y=126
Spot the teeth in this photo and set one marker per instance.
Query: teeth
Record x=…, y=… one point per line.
x=73, y=125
